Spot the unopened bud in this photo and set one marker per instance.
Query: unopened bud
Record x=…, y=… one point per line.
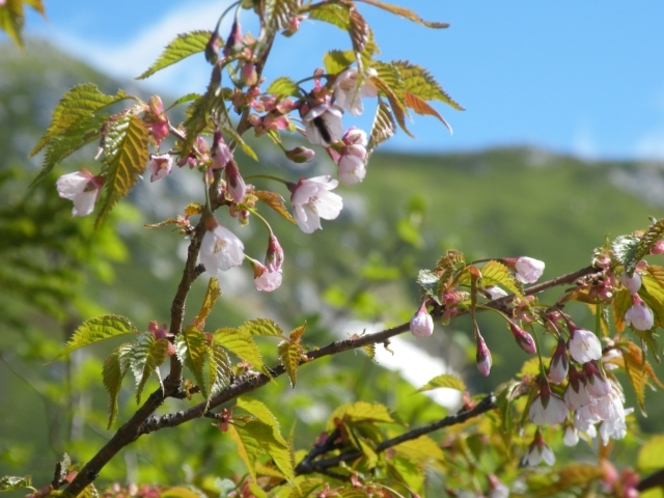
x=483, y=356
x=300, y=154
x=421, y=324
x=212, y=48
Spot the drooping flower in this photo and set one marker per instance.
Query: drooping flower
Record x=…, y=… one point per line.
x=559, y=363
x=323, y=124
x=160, y=166
x=570, y=436
x=348, y=93
x=538, y=451
x=584, y=346
x=498, y=489
x=548, y=408
x=528, y=270
x=156, y=119
x=596, y=384
x=221, y=153
x=421, y=324
x=523, y=339
x=82, y=188
x=235, y=185
x=312, y=200
x=221, y=249
x=274, y=257
x=576, y=394
x=482, y=356
x=265, y=279
x=352, y=169
x=639, y=315
x=633, y=283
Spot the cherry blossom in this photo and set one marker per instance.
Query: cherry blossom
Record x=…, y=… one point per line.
x=160, y=166
x=82, y=188
x=235, y=186
x=559, y=363
x=548, y=408
x=527, y=270
x=633, y=283
x=348, y=93
x=523, y=339
x=312, y=200
x=266, y=279
x=221, y=250
x=570, y=436
x=639, y=315
x=584, y=345
x=495, y=292
x=421, y=324
x=323, y=124
x=538, y=451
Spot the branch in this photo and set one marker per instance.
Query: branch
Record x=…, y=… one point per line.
x=487, y=403
x=654, y=480
x=252, y=381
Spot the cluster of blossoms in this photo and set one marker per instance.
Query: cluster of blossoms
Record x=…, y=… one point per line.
x=312, y=199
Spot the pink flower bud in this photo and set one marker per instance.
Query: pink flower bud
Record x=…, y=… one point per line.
x=234, y=42
x=352, y=169
x=212, y=48
x=639, y=315
x=236, y=187
x=658, y=248
x=421, y=324
x=249, y=74
x=523, y=339
x=221, y=153
x=559, y=363
x=275, y=254
x=527, y=270
x=482, y=356
x=633, y=283
x=300, y=154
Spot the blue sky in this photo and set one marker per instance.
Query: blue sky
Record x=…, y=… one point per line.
x=585, y=78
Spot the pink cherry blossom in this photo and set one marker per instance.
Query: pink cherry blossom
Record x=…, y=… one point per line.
x=221, y=250
x=82, y=188
x=633, y=283
x=523, y=339
x=348, y=93
x=482, y=356
x=323, y=124
x=266, y=279
x=584, y=346
x=221, y=153
x=312, y=200
x=421, y=324
x=235, y=185
x=570, y=436
x=300, y=154
x=274, y=257
x=160, y=166
x=576, y=394
x=548, y=408
x=639, y=315
x=596, y=384
x=559, y=363
x=538, y=451
x=352, y=169
x=528, y=270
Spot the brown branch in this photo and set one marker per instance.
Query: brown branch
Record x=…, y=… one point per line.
x=654, y=480
x=487, y=403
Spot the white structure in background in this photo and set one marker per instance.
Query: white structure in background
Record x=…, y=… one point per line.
x=413, y=363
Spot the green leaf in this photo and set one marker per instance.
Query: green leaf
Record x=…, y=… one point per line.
x=650, y=455
x=333, y=13
x=125, y=159
x=429, y=282
x=406, y=13
x=281, y=12
x=182, y=492
x=445, y=380
x=219, y=367
x=115, y=368
x=97, y=329
x=291, y=352
x=336, y=61
x=12, y=483
x=419, y=82
x=276, y=202
x=185, y=98
x=191, y=349
x=262, y=413
x=212, y=293
x=147, y=353
x=621, y=303
x=383, y=127
x=360, y=411
x=420, y=450
x=181, y=47
x=305, y=488
x=77, y=104
x=261, y=326
x=241, y=344
x=496, y=273
x=12, y=19
x=283, y=87
x=625, y=248
x=254, y=439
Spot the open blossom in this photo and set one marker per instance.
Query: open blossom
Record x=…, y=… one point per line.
x=597, y=384
x=528, y=270
x=312, y=200
x=584, y=346
x=266, y=279
x=221, y=250
x=160, y=166
x=570, y=436
x=548, y=408
x=639, y=315
x=323, y=124
x=352, y=168
x=576, y=394
x=348, y=93
x=82, y=188
x=421, y=324
x=538, y=451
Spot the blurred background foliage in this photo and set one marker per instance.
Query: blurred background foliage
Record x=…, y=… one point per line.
x=358, y=272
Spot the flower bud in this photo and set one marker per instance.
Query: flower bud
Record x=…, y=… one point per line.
x=235, y=185
x=559, y=364
x=528, y=270
x=212, y=48
x=633, y=283
x=275, y=254
x=523, y=339
x=249, y=74
x=300, y=154
x=639, y=315
x=482, y=356
x=421, y=324
x=160, y=166
x=234, y=42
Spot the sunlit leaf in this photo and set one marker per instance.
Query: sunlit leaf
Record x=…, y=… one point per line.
x=212, y=293
x=383, y=127
x=496, y=273
x=261, y=326
x=429, y=282
x=445, y=380
x=147, y=353
x=625, y=248
x=192, y=350
x=420, y=450
x=241, y=344
x=259, y=410
x=396, y=105
x=125, y=159
x=422, y=108
x=97, y=329
x=336, y=61
x=333, y=13
x=359, y=32
x=405, y=13
x=621, y=303
x=283, y=87
x=360, y=411
x=281, y=12
x=181, y=47
x=419, y=82
x=115, y=368
x=11, y=483
x=650, y=237
x=650, y=455
x=181, y=492
x=276, y=202
x=290, y=354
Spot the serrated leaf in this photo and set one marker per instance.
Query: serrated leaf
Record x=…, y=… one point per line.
x=90, y=491
x=97, y=329
x=621, y=303
x=652, y=235
x=191, y=350
x=359, y=34
x=283, y=87
x=419, y=82
x=496, y=273
x=650, y=454
x=241, y=344
x=290, y=354
x=147, y=353
x=219, y=367
x=182, y=492
x=12, y=483
x=227, y=126
x=276, y=202
x=360, y=411
x=115, y=367
x=635, y=368
x=406, y=13
x=259, y=410
x=296, y=334
x=181, y=47
x=281, y=12
x=420, y=450
x=212, y=293
x=383, y=127
x=306, y=487
x=624, y=249
x=370, y=350
x=125, y=159
x=445, y=380
x=12, y=19
x=652, y=292
x=253, y=440
x=261, y=326
x=396, y=105
x=423, y=109
x=333, y=13
x=190, y=97
x=79, y=103
x=336, y=61
x=429, y=282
